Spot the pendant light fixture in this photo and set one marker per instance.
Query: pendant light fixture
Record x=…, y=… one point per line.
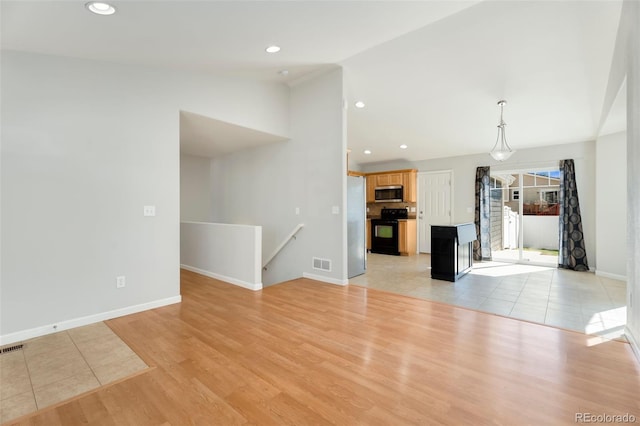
x=501, y=150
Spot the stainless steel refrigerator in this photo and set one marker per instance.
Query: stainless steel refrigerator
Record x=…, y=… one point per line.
x=356, y=226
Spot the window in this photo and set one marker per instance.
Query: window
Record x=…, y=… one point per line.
x=540, y=193
x=549, y=196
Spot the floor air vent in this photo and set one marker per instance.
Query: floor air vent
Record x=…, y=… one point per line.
x=11, y=349
x=321, y=264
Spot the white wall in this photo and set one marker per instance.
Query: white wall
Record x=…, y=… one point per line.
x=231, y=253
x=264, y=186
x=195, y=188
x=626, y=64
x=629, y=42
x=611, y=205
x=85, y=145
x=464, y=174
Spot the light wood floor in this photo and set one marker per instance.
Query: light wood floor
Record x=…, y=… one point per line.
x=304, y=352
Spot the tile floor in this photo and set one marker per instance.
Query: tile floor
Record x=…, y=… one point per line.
x=59, y=366
x=580, y=301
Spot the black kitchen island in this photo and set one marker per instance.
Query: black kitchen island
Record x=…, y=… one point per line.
x=452, y=250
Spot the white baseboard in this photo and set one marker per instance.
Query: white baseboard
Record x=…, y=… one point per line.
x=20, y=336
x=612, y=276
x=325, y=279
x=633, y=342
x=230, y=280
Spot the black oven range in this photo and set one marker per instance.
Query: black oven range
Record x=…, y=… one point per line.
x=384, y=231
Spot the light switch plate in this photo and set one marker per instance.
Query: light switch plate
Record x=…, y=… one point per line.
x=335, y=209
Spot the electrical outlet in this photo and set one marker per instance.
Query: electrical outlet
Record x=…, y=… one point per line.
x=149, y=210
x=121, y=281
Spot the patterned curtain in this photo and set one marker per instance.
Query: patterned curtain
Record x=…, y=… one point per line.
x=572, y=253
x=482, y=246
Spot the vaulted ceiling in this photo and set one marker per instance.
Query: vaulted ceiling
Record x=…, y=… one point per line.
x=429, y=72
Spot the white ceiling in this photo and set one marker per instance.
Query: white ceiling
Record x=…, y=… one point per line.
x=430, y=72
x=206, y=137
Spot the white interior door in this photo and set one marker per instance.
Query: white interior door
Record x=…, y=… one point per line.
x=434, y=205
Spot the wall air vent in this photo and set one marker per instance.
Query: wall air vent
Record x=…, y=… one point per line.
x=11, y=349
x=322, y=264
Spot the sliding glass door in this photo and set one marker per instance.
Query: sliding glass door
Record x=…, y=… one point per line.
x=524, y=216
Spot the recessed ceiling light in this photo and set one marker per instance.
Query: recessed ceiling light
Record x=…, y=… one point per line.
x=272, y=49
x=100, y=8
x=283, y=72
x=403, y=146
x=359, y=104
x=366, y=151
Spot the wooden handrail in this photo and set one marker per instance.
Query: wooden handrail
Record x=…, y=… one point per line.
x=284, y=242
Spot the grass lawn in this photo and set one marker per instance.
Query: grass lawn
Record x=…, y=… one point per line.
x=542, y=251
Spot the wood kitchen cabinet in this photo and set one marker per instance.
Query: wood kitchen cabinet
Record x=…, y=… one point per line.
x=389, y=179
x=371, y=188
x=406, y=178
x=409, y=182
x=368, y=236
x=407, y=243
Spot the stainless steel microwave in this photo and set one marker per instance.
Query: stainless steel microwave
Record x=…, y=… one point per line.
x=389, y=194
